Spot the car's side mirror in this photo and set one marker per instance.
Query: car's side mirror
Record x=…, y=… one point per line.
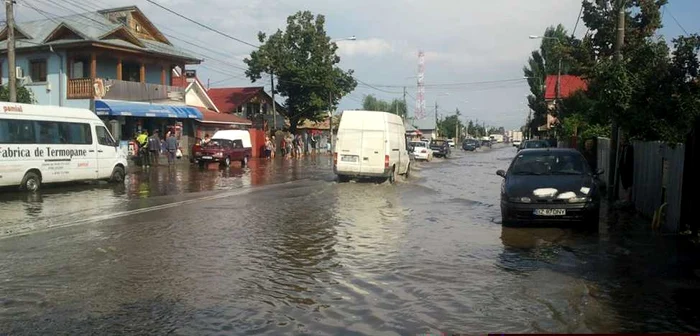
x=599, y=171
x=501, y=173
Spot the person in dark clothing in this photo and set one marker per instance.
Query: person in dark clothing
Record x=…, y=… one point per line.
x=154, y=148
x=626, y=166
x=590, y=154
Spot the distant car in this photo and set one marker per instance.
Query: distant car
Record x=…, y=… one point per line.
x=517, y=143
x=486, y=143
x=225, y=147
x=440, y=148
x=550, y=185
x=534, y=144
x=421, y=150
x=452, y=143
x=470, y=145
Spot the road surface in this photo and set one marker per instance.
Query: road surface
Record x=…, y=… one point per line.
x=281, y=248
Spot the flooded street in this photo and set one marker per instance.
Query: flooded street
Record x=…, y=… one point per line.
x=281, y=248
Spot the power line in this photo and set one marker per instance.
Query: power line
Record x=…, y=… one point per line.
x=678, y=23
x=201, y=24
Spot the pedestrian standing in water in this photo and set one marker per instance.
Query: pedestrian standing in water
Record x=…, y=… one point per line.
x=268, y=147
x=171, y=146
x=153, y=148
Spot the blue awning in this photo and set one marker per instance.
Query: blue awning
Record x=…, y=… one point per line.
x=134, y=109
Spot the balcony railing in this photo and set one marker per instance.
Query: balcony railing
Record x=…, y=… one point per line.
x=84, y=88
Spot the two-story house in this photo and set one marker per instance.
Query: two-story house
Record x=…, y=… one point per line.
x=114, y=62
x=251, y=103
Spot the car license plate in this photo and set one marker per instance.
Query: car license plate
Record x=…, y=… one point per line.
x=550, y=212
x=349, y=158
x=206, y=157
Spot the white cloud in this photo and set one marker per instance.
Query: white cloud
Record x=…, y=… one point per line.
x=366, y=47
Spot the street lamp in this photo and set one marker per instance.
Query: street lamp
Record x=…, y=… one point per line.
x=350, y=38
x=330, y=99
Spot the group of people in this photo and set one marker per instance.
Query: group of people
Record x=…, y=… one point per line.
x=289, y=146
x=150, y=147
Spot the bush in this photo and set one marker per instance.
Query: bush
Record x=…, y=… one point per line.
x=24, y=95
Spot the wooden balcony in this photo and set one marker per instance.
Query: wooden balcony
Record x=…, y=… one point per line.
x=80, y=88
x=84, y=88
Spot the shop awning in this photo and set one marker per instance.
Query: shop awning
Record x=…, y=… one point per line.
x=134, y=109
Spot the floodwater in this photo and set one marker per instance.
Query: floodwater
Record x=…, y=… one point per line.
x=281, y=248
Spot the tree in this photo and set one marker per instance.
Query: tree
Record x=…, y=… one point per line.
x=397, y=106
x=24, y=95
x=304, y=60
x=448, y=126
x=575, y=60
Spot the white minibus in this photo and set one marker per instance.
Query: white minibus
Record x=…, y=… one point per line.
x=47, y=144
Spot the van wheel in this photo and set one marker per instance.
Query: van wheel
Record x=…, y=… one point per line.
x=31, y=182
x=392, y=177
x=343, y=179
x=244, y=162
x=117, y=175
x=227, y=162
x=408, y=172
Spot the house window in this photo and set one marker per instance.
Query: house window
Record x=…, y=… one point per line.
x=79, y=69
x=37, y=70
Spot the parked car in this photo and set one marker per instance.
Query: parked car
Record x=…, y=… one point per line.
x=371, y=144
x=225, y=147
x=486, y=143
x=550, y=185
x=517, y=143
x=420, y=150
x=470, y=145
x=452, y=143
x=534, y=144
x=440, y=148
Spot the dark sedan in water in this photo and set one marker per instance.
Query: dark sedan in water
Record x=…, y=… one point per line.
x=550, y=185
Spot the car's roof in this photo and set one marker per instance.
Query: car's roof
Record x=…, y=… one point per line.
x=547, y=150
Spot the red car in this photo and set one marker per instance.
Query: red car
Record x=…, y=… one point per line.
x=223, y=151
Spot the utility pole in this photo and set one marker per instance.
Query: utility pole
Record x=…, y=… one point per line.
x=436, y=119
x=404, y=102
x=613, y=179
x=11, y=64
x=274, y=108
x=330, y=120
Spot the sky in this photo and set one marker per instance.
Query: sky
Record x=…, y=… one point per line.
x=466, y=42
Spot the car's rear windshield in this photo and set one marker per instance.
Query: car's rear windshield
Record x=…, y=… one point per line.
x=214, y=143
x=549, y=163
x=536, y=144
x=437, y=142
x=418, y=144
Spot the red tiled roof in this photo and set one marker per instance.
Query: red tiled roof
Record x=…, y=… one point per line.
x=222, y=118
x=229, y=99
x=569, y=85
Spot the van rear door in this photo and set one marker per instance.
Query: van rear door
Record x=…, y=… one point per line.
x=373, y=151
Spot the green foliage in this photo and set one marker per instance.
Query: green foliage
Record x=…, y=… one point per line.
x=448, y=127
x=396, y=106
x=24, y=95
x=304, y=60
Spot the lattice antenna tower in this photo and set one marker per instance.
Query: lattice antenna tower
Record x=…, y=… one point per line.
x=420, y=97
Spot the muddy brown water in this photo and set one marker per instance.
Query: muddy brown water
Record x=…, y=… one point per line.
x=281, y=248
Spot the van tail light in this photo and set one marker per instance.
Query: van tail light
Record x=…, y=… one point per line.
x=386, y=161
x=335, y=158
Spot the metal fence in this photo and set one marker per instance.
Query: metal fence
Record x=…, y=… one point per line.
x=603, y=148
x=658, y=178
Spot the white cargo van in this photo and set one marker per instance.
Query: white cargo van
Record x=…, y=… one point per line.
x=46, y=144
x=371, y=144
